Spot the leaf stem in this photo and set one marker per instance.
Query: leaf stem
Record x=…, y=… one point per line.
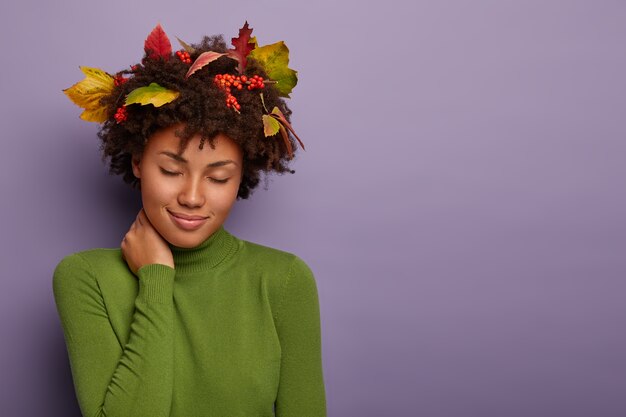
x=263, y=101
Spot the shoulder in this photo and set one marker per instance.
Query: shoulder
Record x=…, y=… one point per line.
x=276, y=259
x=89, y=259
x=292, y=274
x=86, y=266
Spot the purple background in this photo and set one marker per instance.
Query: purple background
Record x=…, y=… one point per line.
x=461, y=200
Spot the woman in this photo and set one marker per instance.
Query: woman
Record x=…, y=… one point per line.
x=185, y=319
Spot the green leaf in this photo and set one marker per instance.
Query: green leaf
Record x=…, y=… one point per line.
x=271, y=126
x=274, y=59
x=153, y=94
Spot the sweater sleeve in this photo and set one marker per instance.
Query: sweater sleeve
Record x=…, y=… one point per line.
x=301, y=390
x=110, y=379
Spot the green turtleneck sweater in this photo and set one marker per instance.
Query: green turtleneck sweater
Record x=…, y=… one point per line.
x=232, y=331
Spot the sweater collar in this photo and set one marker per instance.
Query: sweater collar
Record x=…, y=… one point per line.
x=206, y=255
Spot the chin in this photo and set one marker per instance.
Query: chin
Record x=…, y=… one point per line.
x=187, y=242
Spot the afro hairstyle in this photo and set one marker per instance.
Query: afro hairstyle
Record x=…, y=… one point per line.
x=201, y=108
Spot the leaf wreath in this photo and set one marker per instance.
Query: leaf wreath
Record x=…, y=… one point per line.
x=273, y=58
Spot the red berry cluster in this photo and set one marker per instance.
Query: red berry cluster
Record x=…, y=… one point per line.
x=119, y=79
x=225, y=81
x=184, y=56
x=121, y=114
x=255, y=82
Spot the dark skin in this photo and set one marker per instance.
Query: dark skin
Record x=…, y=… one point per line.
x=198, y=182
x=143, y=245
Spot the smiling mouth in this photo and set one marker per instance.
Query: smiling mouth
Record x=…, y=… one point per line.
x=186, y=223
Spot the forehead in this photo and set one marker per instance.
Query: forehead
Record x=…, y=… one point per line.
x=166, y=140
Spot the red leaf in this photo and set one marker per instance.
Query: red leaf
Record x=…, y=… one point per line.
x=242, y=47
x=157, y=44
x=205, y=58
x=278, y=115
x=283, y=132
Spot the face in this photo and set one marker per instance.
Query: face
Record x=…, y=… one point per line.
x=187, y=197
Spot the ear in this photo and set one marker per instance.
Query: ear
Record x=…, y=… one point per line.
x=135, y=161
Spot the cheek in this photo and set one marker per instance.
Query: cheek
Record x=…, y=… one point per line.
x=156, y=191
x=222, y=199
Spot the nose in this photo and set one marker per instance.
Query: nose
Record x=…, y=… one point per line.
x=191, y=194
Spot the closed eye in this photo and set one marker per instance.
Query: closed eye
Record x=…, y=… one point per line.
x=168, y=172
x=215, y=180
x=224, y=181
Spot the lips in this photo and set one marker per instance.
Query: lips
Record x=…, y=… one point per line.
x=187, y=222
x=187, y=216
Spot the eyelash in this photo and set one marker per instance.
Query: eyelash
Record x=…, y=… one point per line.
x=212, y=179
x=224, y=181
x=168, y=172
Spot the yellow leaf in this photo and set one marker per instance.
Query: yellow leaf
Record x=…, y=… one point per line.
x=270, y=125
x=153, y=94
x=274, y=59
x=88, y=93
x=98, y=115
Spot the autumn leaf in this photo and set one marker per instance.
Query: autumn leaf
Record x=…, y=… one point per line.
x=243, y=46
x=278, y=115
x=185, y=46
x=157, y=44
x=153, y=94
x=277, y=122
x=205, y=58
x=88, y=93
x=274, y=59
x=285, y=136
x=270, y=125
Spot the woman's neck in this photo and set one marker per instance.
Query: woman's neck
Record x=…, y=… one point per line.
x=206, y=255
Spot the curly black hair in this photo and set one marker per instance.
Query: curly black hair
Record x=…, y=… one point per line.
x=201, y=107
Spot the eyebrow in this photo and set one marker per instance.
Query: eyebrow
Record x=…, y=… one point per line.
x=210, y=165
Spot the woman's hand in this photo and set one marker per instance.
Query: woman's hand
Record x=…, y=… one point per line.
x=143, y=245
